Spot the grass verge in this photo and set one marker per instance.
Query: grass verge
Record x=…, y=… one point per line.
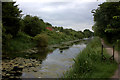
x=88, y=63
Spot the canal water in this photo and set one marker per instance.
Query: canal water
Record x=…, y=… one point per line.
x=56, y=63
x=51, y=64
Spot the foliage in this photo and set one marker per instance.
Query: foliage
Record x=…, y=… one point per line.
x=118, y=45
x=18, y=33
x=48, y=24
x=22, y=26
x=79, y=35
x=41, y=39
x=88, y=63
x=33, y=25
x=10, y=18
x=20, y=43
x=107, y=21
x=5, y=38
x=10, y=23
x=24, y=36
x=70, y=32
x=87, y=33
x=58, y=37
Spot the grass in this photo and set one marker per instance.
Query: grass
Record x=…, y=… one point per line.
x=88, y=63
x=20, y=43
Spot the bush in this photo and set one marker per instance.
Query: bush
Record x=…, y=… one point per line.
x=42, y=40
x=24, y=37
x=21, y=42
x=33, y=25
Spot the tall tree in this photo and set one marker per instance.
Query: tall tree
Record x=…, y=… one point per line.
x=33, y=25
x=107, y=20
x=10, y=18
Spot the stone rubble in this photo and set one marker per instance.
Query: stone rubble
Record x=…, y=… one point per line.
x=14, y=68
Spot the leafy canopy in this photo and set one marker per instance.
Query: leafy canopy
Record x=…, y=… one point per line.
x=107, y=21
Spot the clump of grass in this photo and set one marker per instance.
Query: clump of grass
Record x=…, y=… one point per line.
x=88, y=63
x=42, y=40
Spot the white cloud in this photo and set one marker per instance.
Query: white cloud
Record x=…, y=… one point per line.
x=75, y=14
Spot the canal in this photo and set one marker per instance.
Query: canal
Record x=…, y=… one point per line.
x=50, y=64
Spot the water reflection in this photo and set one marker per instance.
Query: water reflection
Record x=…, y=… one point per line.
x=41, y=54
x=41, y=62
x=64, y=48
x=61, y=51
x=56, y=63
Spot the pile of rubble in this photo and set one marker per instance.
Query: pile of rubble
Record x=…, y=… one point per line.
x=14, y=68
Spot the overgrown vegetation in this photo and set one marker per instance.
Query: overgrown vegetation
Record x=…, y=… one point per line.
x=19, y=43
x=88, y=63
x=42, y=40
x=30, y=31
x=107, y=22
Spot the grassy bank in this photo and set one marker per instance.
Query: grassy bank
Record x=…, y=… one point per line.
x=88, y=63
x=58, y=37
x=23, y=41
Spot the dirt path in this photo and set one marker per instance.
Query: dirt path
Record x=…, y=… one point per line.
x=116, y=56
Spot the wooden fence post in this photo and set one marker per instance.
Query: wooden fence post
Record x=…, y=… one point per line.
x=113, y=52
x=102, y=52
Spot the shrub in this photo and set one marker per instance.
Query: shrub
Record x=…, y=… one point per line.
x=21, y=42
x=42, y=40
x=24, y=37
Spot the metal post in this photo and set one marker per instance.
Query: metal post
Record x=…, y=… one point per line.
x=113, y=52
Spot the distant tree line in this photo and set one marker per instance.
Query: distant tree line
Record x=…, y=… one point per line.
x=85, y=34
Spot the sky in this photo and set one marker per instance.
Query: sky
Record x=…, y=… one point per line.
x=75, y=14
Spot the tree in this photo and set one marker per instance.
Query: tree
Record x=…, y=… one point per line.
x=87, y=33
x=107, y=21
x=61, y=29
x=10, y=18
x=79, y=34
x=48, y=24
x=33, y=25
x=66, y=31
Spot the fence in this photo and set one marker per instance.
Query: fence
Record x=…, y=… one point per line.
x=103, y=57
